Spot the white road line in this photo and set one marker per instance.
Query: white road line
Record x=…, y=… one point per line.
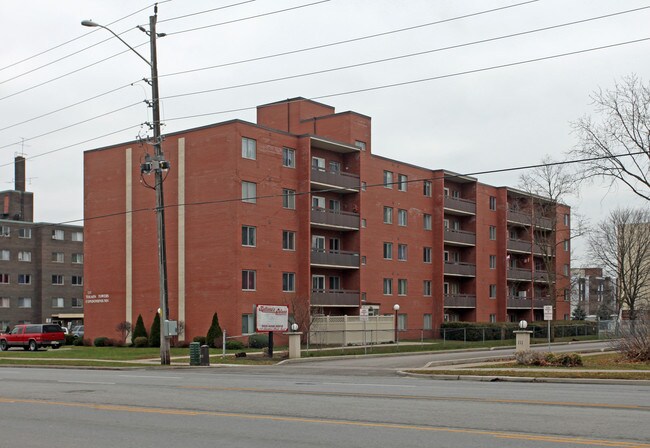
x=368, y=384
x=154, y=377
x=84, y=382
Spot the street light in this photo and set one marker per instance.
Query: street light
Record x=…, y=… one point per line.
x=158, y=164
x=396, y=308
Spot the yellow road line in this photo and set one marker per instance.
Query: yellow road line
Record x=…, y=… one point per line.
x=182, y=412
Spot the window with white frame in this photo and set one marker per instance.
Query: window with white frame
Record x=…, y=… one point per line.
x=493, y=233
x=318, y=163
x=567, y=295
x=5, y=231
x=318, y=283
x=77, y=258
x=566, y=269
x=248, y=236
x=402, y=218
x=426, y=288
x=57, y=279
x=77, y=236
x=388, y=251
x=402, y=286
x=493, y=318
x=426, y=188
x=335, y=283
x=288, y=240
x=77, y=280
x=493, y=261
x=58, y=234
x=25, y=232
x=288, y=281
x=493, y=203
x=388, y=286
x=427, y=221
x=77, y=302
x=566, y=219
x=318, y=243
x=249, y=192
x=363, y=260
x=318, y=203
x=361, y=145
x=402, y=322
x=248, y=148
x=402, y=252
x=4, y=303
x=288, y=157
x=493, y=291
x=24, y=302
x=57, y=302
x=335, y=205
x=566, y=245
x=402, y=182
x=288, y=198
x=364, y=186
x=364, y=223
x=247, y=324
x=248, y=280
x=427, y=322
x=58, y=257
x=335, y=167
x=25, y=255
x=4, y=279
x=5, y=255
x=388, y=179
x=426, y=254
x=24, y=279
x=388, y=215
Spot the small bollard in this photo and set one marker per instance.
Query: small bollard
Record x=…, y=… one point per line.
x=205, y=355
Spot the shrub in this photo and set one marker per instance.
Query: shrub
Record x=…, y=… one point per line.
x=86, y=343
x=154, y=332
x=77, y=341
x=141, y=341
x=101, y=341
x=214, y=333
x=139, y=330
x=634, y=343
x=199, y=339
x=234, y=345
x=69, y=339
x=258, y=340
x=530, y=358
x=474, y=331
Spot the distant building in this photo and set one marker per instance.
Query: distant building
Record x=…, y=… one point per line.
x=593, y=292
x=296, y=210
x=41, y=264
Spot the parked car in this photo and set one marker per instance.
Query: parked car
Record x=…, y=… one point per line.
x=33, y=336
x=78, y=331
x=65, y=330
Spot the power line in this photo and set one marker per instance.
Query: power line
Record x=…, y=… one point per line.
x=204, y=12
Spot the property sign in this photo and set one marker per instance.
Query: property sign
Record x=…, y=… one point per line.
x=548, y=312
x=363, y=314
x=272, y=318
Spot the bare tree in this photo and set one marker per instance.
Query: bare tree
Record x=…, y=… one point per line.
x=622, y=128
x=621, y=242
x=124, y=329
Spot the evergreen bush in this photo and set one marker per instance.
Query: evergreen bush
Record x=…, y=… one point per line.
x=154, y=332
x=234, y=345
x=101, y=341
x=213, y=338
x=199, y=339
x=139, y=330
x=141, y=341
x=258, y=340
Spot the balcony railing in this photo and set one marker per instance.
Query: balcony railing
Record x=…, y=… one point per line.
x=519, y=245
x=460, y=237
x=519, y=217
x=466, y=269
x=519, y=302
x=341, y=220
x=330, y=179
x=541, y=302
x=540, y=276
x=331, y=298
x=460, y=205
x=460, y=301
x=340, y=259
x=543, y=222
x=519, y=274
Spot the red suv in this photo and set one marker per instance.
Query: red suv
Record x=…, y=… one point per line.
x=33, y=336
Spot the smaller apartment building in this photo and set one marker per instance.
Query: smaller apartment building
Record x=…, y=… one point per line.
x=296, y=210
x=594, y=292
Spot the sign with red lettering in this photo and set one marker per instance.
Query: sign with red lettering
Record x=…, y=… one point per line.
x=272, y=318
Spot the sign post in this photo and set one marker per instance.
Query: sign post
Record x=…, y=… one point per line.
x=548, y=317
x=363, y=316
x=270, y=318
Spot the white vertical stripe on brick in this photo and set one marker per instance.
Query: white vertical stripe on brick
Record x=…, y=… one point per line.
x=181, y=232
x=128, y=206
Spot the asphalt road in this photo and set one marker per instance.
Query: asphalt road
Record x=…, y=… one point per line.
x=280, y=406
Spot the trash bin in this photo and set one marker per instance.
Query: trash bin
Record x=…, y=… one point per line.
x=195, y=354
x=205, y=355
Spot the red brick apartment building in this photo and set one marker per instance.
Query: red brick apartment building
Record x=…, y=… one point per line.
x=296, y=210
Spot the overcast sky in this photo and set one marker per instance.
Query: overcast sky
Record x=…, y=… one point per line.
x=488, y=119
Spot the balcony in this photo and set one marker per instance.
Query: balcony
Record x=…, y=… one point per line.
x=516, y=302
x=519, y=217
x=460, y=237
x=460, y=301
x=325, y=180
x=544, y=223
x=460, y=206
x=334, y=298
x=541, y=302
x=327, y=219
x=519, y=246
x=335, y=259
x=519, y=274
x=541, y=276
x=460, y=269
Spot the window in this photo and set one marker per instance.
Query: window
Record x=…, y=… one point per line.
x=567, y=295
x=402, y=252
x=565, y=269
x=318, y=243
x=248, y=236
x=364, y=186
x=426, y=288
x=288, y=240
x=493, y=318
x=388, y=179
x=318, y=203
x=402, y=322
x=566, y=219
x=318, y=163
x=249, y=192
x=248, y=148
x=5, y=255
x=388, y=251
x=493, y=261
x=77, y=303
x=361, y=145
x=24, y=279
x=57, y=257
x=566, y=245
x=24, y=255
x=427, y=222
x=426, y=254
x=288, y=198
x=77, y=258
x=77, y=236
x=5, y=231
x=335, y=205
x=77, y=280
x=318, y=282
x=335, y=245
x=57, y=302
x=335, y=283
x=426, y=188
x=402, y=182
x=493, y=291
x=248, y=278
x=288, y=157
x=57, y=279
x=402, y=218
x=247, y=324
x=24, y=302
x=288, y=281
x=388, y=215
x=58, y=235
x=25, y=233
x=427, y=322
x=4, y=303
x=402, y=287
x=493, y=203
x=364, y=223
x=493, y=233
x=4, y=279
x=335, y=167
x=363, y=260
x=388, y=286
